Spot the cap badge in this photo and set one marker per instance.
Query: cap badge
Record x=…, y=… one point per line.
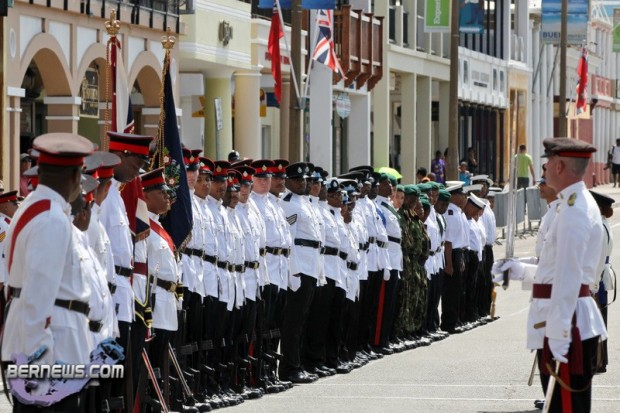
x=218, y=169
x=264, y=167
x=299, y=169
x=245, y=174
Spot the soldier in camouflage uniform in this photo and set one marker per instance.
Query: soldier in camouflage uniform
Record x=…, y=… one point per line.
x=413, y=245
x=421, y=254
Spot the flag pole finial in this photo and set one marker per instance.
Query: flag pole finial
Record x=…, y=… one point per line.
x=113, y=26
x=168, y=40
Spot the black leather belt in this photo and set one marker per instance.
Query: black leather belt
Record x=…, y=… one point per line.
x=431, y=253
x=352, y=265
x=372, y=240
x=210, y=258
x=278, y=251
x=166, y=285
x=382, y=244
x=308, y=243
x=95, y=326
x=73, y=305
x=238, y=268
x=223, y=265
x=253, y=265
x=14, y=292
x=262, y=252
x=330, y=251
x=394, y=239
x=364, y=247
x=112, y=287
x=194, y=251
x=124, y=271
x=343, y=255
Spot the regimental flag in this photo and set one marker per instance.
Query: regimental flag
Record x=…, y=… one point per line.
x=582, y=84
x=273, y=46
x=324, y=51
x=305, y=4
x=169, y=154
x=121, y=120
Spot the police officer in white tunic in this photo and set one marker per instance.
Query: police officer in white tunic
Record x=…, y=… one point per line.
x=192, y=262
x=133, y=150
x=100, y=165
x=455, y=253
x=102, y=316
x=49, y=294
x=395, y=254
x=303, y=274
x=269, y=176
x=370, y=279
x=163, y=267
x=8, y=206
x=564, y=322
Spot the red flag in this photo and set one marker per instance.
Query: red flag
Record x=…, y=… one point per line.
x=273, y=46
x=582, y=72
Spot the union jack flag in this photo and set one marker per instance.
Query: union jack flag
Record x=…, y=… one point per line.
x=324, y=51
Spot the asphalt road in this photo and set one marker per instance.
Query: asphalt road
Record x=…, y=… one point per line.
x=482, y=370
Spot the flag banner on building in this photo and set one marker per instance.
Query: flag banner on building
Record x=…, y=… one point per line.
x=178, y=221
x=471, y=16
x=324, y=50
x=273, y=47
x=616, y=31
x=437, y=16
x=576, y=18
x=305, y=4
x=582, y=83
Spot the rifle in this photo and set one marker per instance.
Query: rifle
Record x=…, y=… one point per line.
x=188, y=392
x=151, y=373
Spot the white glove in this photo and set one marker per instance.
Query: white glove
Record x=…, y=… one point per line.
x=516, y=269
x=594, y=288
x=559, y=349
x=607, y=278
x=529, y=260
x=386, y=274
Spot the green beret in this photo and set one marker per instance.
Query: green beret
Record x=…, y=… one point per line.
x=444, y=195
x=425, y=187
x=411, y=190
x=426, y=203
x=383, y=177
x=435, y=186
x=393, y=181
x=400, y=188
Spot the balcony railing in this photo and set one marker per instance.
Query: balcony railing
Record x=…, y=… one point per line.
x=155, y=14
x=358, y=41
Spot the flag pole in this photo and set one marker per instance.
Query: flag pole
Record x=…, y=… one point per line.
x=311, y=62
x=167, y=42
x=288, y=49
x=112, y=26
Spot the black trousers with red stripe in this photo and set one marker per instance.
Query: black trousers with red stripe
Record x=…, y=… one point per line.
x=582, y=399
x=386, y=309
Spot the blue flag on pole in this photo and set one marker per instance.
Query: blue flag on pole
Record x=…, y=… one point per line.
x=178, y=221
x=305, y=4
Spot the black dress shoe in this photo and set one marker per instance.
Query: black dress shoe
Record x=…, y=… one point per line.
x=312, y=376
x=298, y=377
x=539, y=404
x=318, y=372
x=326, y=370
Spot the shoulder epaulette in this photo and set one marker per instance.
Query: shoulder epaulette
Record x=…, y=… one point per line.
x=288, y=197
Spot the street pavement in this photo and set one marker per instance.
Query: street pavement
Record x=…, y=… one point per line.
x=483, y=370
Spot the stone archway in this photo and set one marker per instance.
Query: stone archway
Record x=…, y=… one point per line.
x=145, y=77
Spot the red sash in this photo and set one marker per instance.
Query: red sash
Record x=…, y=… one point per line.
x=29, y=214
x=159, y=230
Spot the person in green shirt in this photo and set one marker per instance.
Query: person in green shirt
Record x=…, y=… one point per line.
x=525, y=166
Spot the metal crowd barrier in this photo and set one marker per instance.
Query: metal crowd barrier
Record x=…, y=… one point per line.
x=536, y=208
